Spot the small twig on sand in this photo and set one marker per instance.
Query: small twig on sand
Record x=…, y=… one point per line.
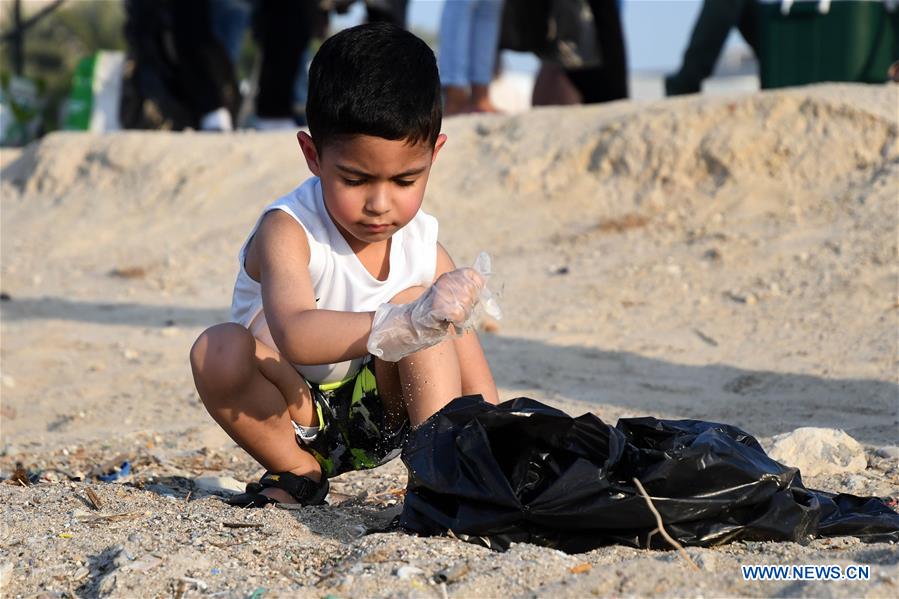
x=94, y=498
x=242, y=524
x=661, y=528
x=91, y=519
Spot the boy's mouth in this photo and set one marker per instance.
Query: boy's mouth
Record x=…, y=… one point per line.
x=376, y=228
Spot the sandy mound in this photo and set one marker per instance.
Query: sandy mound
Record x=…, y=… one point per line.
x=729, y=259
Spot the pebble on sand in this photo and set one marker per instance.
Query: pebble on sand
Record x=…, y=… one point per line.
x=817, y=451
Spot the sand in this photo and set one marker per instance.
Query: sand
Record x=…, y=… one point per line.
x=727, y=258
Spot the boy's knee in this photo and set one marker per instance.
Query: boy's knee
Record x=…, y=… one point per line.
x=409, y=295
x=223, y=357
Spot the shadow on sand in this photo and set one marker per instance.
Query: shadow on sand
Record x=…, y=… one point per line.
x=621, y=383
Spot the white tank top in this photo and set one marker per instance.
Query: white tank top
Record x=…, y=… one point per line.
x=339, y=279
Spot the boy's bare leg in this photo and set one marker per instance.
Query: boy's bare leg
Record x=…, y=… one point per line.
x=419, y=384
x=253, y=393
x=430, y=379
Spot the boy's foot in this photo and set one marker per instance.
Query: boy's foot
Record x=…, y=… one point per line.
x=282, y=487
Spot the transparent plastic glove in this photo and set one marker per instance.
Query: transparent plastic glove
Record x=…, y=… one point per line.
x=459, y=297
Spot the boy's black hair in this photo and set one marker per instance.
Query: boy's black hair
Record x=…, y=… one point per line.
x=374, y=79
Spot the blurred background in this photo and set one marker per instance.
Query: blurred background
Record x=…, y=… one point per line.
x=220, y=65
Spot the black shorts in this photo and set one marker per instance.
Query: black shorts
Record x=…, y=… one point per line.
x=353, y=432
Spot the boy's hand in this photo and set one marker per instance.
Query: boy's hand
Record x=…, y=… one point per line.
x=451, y=299
x=454, y=298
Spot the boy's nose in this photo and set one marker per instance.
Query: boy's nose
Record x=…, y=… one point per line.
x=378, y=202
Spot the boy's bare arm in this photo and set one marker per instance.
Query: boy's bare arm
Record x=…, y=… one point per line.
x=476, y=375
x=304, y=334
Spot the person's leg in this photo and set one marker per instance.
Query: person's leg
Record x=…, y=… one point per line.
x=748, y=24
x=283, y=32
x=715, y=20
x=386, y=11
x=205, y=73
x=254, y=394
x=484, y=39
x=453, y=56
x=552, y=87
x=607, y=82
x=230, y=19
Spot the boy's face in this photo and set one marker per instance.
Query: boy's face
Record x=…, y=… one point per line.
x=372, y=186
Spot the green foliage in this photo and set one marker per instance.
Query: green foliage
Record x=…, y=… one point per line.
x=55, y=44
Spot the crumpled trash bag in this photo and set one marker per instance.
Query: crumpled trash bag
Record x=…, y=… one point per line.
x=525, y=472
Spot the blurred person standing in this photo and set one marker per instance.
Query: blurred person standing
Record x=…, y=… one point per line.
x=606, y=81
x=713, y=25
x=387, y=11
x=580, y=44
x=282, y=30
x=178, y=74
x=469, y=36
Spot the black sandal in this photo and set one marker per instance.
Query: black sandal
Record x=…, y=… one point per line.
x=302, y=488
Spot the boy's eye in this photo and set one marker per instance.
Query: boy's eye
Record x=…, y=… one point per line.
x=403, y=182
x=353, y=182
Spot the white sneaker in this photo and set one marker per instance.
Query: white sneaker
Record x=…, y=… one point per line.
x=274, y=124
x=217, y=120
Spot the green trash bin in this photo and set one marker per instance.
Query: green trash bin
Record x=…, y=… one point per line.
x=809, y=41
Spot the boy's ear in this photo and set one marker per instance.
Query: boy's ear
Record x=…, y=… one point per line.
x=441, y=139
x=309, y=152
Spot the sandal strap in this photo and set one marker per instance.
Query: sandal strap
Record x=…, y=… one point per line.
x=296, y=486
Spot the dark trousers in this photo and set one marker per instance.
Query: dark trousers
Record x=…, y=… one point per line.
x=608, y=81
x=283, y=29
x=712, y=27
x=389, y=11
x=180, y=66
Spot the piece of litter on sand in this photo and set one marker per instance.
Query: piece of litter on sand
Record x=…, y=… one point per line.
x=219, y=484
x=147, y=562
x=706, y=338
x=890, y=451
x=453, y=573
x=128, y=272
x=116, y=473
x=580, y=568
x=407, y=572
x=259, y=592
x=94, y=499
x=358, y=530
x=199, y=584
x=20, y=475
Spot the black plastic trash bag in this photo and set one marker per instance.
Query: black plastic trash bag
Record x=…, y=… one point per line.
x=525, y=472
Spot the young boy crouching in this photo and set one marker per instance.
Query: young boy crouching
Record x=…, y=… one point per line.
x=344, y=266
